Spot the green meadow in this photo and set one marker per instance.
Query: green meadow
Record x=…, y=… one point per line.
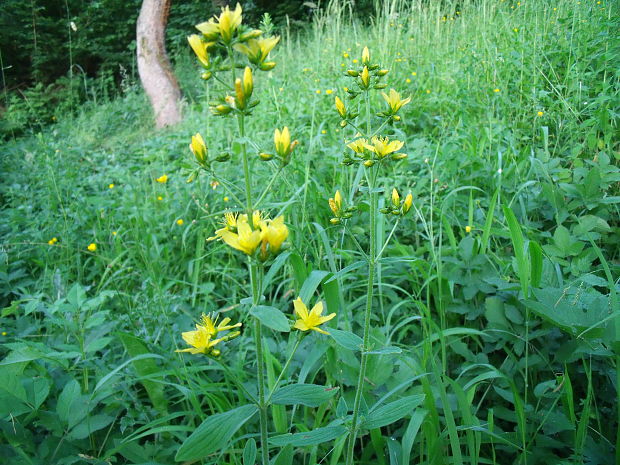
x=476, y=310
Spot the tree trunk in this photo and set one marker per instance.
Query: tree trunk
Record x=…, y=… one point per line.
x=154, y=67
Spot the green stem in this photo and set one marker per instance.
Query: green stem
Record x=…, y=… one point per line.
x=369, y=294
x=288, y=362
x=246, y=170
x=260, y=370
x=268, y=188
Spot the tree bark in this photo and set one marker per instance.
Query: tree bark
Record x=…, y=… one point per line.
x=154, y=67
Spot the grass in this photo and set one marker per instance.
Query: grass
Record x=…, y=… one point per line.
x=499, y=343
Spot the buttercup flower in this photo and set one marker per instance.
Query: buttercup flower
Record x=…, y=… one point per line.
x=358, y=145
x=310, y=320
x=92, y=247
x=238, y=233
x=52, y=241
x=163, y=179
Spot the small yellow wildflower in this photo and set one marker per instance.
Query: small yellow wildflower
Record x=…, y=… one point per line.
x=310, y=320
x=198, y=148
x=201, y=339
x=4, y=333
x=413, y=73
x=114, y=233
x=496, y=90
x=200, y=48
x=428, y=91
x=468, y=229
x=214, y=184
x=226, y=199
x=323, y=131
x=539, y=114
x=345, y=55
x=395, y=198
x=515, y=29
x=408, y=81
x=180, y=221
x=335, y=203
x=163, y=179
x=284, y=146
x=358, y=145
x=111, y=186
x=365, y=56
x=329, y=91
x=382, y=146
x=52, y=241
x=394, y=101
x=159, y=197
x=355, y=60
x=407, y=203
x=342, y=111
x=92, y=247
x=273, y=233
x=318, y=91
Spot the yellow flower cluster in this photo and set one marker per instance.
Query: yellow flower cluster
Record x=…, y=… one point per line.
x=398, y=206
x=283, y=146
x=202, y=339
x=224, y=31
x=263, y=233
x=340, y=213
x=375, y=151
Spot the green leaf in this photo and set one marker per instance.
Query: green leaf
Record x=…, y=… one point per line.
x=249, y=452
x=346, y=339
x=285, y=456
x=311, y=438
x=145, y=368
x=385, y=350
x=311, y=395
x=518, y=245
x=536, y=263
x=272, y=318
x=311, y=283
x=89, y=425
x=214, y=433
x=394, y=411
x=68, y=396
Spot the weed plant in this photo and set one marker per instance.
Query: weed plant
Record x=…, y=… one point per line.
x=475, y=321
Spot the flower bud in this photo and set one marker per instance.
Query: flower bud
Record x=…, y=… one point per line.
x=352, y=73
x=251, y=34
x=265, y=156
x=199, y=148
x=343, y=123
x=335, y=221
x=395, y=198
x=268, y=65
x=369, y=163
x=342, y=111
x=206, y=75
x=366, y=56
x=365, y=78
x=398, y=156
x=407, y=203
x=382, y=72
x=380, y=86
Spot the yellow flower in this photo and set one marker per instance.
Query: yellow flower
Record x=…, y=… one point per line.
x=283, y=144
x=111, y=186
x=468, y=229
x=395, y=198
x=428, y=91
x=329, y=91
x=496, y=90
x=366, y=56
x=539, y=114
x=365, y=77
x=358, y=145
x=199, y=148
x=335, y=203
x=52, y=241
x=355, y=60
x=318, y=91
x=345, y=55
x=394, y=101
x=382, y=146
x=274, y=233
x=210, y=29
x=226, y=199
x=201, y=339
x=413, y=73
x=323, y=131
x=200, y=48
x=114, y=233
x=342, y=111
x=244, y=239
x=408, y=81
x=163, y=179
x=407, y=203
x=229, y=21
x=159, y=197
x=310, y=320
x=257, y=50
x=180, y=221
x=92, y=247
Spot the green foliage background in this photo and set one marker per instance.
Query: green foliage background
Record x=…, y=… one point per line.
x=88, y=365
